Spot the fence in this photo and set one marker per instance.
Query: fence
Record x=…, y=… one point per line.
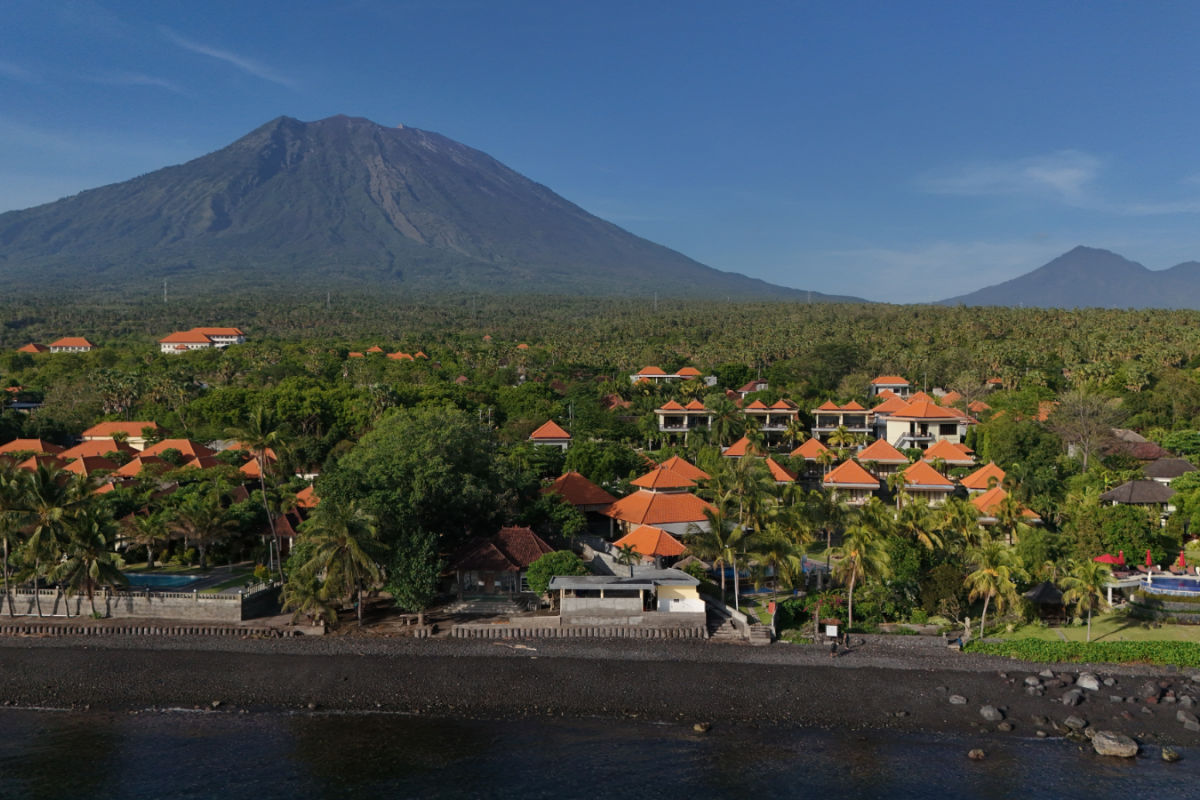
x=258, y=600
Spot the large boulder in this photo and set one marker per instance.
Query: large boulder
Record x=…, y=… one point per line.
x=1087, y=680
x=1072, y=697
x=1110, y=743
x=991, y=713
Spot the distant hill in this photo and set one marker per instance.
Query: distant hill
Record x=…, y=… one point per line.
x=1090, y=278
x=342, y=203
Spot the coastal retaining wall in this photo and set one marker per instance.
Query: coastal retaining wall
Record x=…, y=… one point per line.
x=652, y=625
x=143, y=629
x=196, y=606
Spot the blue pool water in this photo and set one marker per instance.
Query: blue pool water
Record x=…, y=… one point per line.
x=144, y=581
x=1172, y=585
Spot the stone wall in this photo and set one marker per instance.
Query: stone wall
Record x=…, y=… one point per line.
x=222, y=607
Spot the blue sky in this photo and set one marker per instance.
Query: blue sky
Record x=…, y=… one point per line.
x=900, y=151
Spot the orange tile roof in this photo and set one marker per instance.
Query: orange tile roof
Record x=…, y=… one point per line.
x=219, y=331
x=925, y=410
x=374, y=349
x=95, y=447
x=886, y=393
x=185, y=446
x=966, y=451
x=810, y=449
x=135, y=466
x=671, y=405
x=33, y=347
x=36, y=446
x=922, y=475
x=661, y=478
x=72, y=341
x=977, y=406
x=579, y=491
x=550, y=430
x=108, y=429
x=950, y=398
x=989, y=501
x=250, y=468
x=850, y=474
x=659, y=508
x=695, y=405
x=949, y=453
x=353, y=354
x=186, y=337
x=757, y=405
x=981, y=478
x=741, y=447
x=853, y=405
x=685, y=468
x=307, y=498
x=522, y=346
x=420, y=354
x=651, y=542
x=890, y=406
x=889, y=380
x=86, y=465
x=921, y=397
x=779, y=473
x=881, y=452
x=203, y=462
x=783, y=405
x=398, y=356
x=650, y=371
x=50, y=462
x=689, y=372
x=829, y=405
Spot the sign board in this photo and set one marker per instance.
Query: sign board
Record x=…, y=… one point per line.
x=831, y=630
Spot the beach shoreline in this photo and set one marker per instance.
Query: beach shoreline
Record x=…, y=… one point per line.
x=892, y=683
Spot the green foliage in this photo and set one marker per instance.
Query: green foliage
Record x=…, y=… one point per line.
x=412, y=577
x=1184, y=443
x=560, y=562
x=604, y=463
x=1180, y=654
x=941, y=584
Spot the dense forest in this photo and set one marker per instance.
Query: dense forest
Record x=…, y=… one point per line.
x=425, y=452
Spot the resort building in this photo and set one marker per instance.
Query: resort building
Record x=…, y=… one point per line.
x=663, y=499
x=773, y=420
x=132, y=433
x=676, y=418
x=757, y=385
x=882, y=459
x=890, y=383
x=922, y=423
x=71, y=344
x=185, y=447
x=981, y=480
x=33, y=348
x=1165, y=470
x=96, y=447
x=816, y=456
x=829, y=416
x=687, y=469
x=654, y=544
x=780, y=474
x=850, y=483
x=1146, y=493
x=551, y=435
x=952, y=455
x=200, y=339
x=922, y=480
x=498, y=564
x=36, y=447
x=581, y=493
x=989, y=505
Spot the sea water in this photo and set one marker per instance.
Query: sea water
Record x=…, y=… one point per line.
x=268, y=756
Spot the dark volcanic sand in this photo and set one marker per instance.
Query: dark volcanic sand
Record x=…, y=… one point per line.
x=899, y=683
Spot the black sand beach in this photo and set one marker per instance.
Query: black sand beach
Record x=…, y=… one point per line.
x=897, y=683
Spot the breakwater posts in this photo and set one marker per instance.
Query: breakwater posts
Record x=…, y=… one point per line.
x=575, y=632
x=67, y=629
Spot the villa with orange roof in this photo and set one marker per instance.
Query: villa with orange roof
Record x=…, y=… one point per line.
x=923, y=423
x=780, y=474
x=892, y=383
x=984, y=478
x=652, y=543
x=663, y=499
x=850, y=483
x=922, y=480
x=676, y=418
x=829, y=416
x=186, y=447
x=35, y=447
x=33, y=348
x=132, y=433
x=812, y=452
x=885, y=458
x=685, y=468
x=96, y=447
x=652, y=375
x=200, y=339
x=988, y=503
x=71, y=344
x=551, y=435
x=954, y=455
x=741, y=448
x=773, y=420
x=581, y=493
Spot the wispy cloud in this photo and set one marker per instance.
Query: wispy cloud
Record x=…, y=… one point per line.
x=136, y=79
x=16, y=72
x=1067, y=175
x=247, y=65
x=933, y=271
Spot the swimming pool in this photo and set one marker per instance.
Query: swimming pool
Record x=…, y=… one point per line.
x=141, y=580
x=1172, y=585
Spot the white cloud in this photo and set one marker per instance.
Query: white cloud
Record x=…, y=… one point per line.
x=246, y=65
x=1066, y=175
x=136, y=79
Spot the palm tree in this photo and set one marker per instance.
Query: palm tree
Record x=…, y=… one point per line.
x=53, y=499
x=826, y=458
x=1009, y=516
x=628, y=555
x=202, y=521
x=720, y=545
x=345, y=543
x=841, y=439
x=918, y=522
x=996, y=569
x=90, y=561
x=864, y=552
x=13, y=487
x=304, y=594
x=1084, y=583
x=150, y=531
x=960, y=522
x=794, y=433
x=778, y=548
x=262, y=433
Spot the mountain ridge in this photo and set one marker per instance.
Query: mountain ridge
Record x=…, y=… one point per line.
x=345, y=202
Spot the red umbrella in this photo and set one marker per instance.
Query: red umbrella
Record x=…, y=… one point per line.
x=1106, y=559
x=1121, y=558
x=1149, y=561
x=1182, y=561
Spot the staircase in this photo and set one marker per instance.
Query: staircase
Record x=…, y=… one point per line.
x=722, y=628
x=488, y=606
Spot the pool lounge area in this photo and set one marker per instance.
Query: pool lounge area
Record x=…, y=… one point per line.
x=1179, y=585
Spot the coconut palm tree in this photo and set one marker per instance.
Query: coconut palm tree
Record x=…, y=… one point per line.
x=262, y=433
x=917, y=522
x=720, y=545
x=1010, y=515
x=346, y=549
x=151, y=532
x=202, y=521
x=14, y=484
x=778, y=548
x=90, y=561
x=628, y=555
x=794, y=432
x=841, y=440
x=960, y=524
x=994, y=576
x=1085, y=582
x=304, y=595
x=863, y=554
x=53, y=498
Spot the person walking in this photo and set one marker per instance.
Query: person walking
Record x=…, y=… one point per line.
x=833, y=647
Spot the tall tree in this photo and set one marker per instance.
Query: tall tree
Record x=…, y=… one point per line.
x=53, y=499
x=1084, y=419
x=1085, y=583
x=90, y=561
x=13, y=488
x=202, y=521
x=995, y=570
x=864, y=552
x=346, y=550
x=720, y=545
x=260, y=434
x=412, y=577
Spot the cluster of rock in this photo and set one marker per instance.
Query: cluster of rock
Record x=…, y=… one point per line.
x=1072, y=690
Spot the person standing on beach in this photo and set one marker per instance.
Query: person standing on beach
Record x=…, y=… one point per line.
x=833, y=647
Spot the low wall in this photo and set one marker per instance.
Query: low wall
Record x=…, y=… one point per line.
x=144, y=629
x=197, y=606
x=601, y=605
x=651, y=625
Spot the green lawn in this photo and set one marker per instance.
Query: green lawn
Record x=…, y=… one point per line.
x=1107, y=628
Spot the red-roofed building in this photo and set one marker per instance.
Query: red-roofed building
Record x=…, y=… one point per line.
x=676, y=418
x=810, y=450
x=652, y=543
x=742, y=447
x=758, y=385
x=850, y=483
x=552, y=435
x=988, y=504
x=498, y=564
x=200, y=339
x=923, y=423
x=829, y=416
x=950, y=398
x=687, y=373
x=922, y=480
x=772, y=420
x=33, y=348
x=581, y=493
x=307, y=498
x=662, y=479
x=892, y=383
x=398, y=356
x=96, y=447
x=952, y=454
x=132, y=433
x=52, y=463
x=135, y=466
x=885, y=458
x=685, y=468
x=71, y=344
x=652, y=375
x=36, y=447
x=186, y=447
x=984, y=478
x=88, y=465
x=780, y=474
